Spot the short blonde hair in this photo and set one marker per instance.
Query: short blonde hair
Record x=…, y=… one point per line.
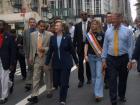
x=100, y=28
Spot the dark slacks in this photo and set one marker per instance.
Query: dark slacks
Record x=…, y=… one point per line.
x=22, y=63
x=81, y=67
x=106, y=79
x=61, y=79
x=118, y=73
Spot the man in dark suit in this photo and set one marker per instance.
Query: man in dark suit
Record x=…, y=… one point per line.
x=20, y=56
x=26, y=46
x=7, y=59
x=136, y=53
x=108, y=23
x=79, y=41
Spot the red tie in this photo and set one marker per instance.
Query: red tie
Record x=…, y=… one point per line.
x=1, y=40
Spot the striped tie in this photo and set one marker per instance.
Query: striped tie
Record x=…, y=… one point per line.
x=116, y=43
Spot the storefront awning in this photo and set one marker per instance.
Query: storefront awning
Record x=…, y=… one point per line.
x=19, y=17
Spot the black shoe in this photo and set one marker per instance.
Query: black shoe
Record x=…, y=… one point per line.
x=33, y=99
x=55, y=88
x=89, y=82
x=49, y=95
x=98, y=99
x=123, y=99
x=114, y=103
x=3, y=101
x=80, y=84
x=23, y=78
x=11, y=89
x=28, y=87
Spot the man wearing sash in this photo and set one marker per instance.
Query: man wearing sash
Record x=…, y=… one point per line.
x=117, y=54
x=93, y=51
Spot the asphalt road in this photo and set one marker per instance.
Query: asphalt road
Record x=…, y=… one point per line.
x=76, y=96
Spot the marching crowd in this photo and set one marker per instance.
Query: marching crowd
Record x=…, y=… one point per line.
x=109, y=50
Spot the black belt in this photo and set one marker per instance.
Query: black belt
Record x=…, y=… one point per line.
x=120, y=56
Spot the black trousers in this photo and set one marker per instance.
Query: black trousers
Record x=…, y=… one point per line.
x=81, y=68
x=22, y=63
x=118, y=73
x=106, y=79
x=61, y=79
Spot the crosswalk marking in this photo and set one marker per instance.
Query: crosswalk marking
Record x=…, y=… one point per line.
x=41, y=90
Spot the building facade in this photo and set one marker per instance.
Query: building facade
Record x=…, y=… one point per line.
x=138, y=8
x=67, y=8
x=72, y=8
x=63, y=8
x=122, y=6
x=5, y=7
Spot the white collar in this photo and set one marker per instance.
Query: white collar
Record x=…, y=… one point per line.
x=84, y=22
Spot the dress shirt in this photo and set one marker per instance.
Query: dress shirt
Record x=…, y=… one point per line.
x=59, y=38
x=84, y=29
x=42, y=34
x=32, y=30
x=109, y=25
x=125, y=42
x=71, y=30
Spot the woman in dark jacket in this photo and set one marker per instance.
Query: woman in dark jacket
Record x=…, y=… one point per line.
x=61, y=52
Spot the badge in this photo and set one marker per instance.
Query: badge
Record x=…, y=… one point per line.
x=99, y=38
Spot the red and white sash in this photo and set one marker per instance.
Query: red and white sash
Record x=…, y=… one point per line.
x=94, y=44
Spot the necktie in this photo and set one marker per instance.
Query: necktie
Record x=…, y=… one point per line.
x=116, y=43
x=39, y=45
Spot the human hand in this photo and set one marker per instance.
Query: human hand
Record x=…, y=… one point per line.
x=104, y=65
x=86, y=58
x=134, y=65
x=129, y=65
x=30, y=61
x=42, y=50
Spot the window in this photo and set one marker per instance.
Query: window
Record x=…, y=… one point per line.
x=34, y=5
x=70, y=3
x=97, y=6
x=17, y=6
x=88, y=6
x=44, y=2
x=52, y=4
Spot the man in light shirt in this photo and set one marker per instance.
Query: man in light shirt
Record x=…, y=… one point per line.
x=117, y=55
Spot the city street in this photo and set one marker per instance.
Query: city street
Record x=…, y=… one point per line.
x=82, y=96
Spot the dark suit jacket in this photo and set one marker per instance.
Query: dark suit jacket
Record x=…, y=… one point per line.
x=78, y=37
x=105, y=27
x=66, y=53
x=136, y=53
x=8, y=51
